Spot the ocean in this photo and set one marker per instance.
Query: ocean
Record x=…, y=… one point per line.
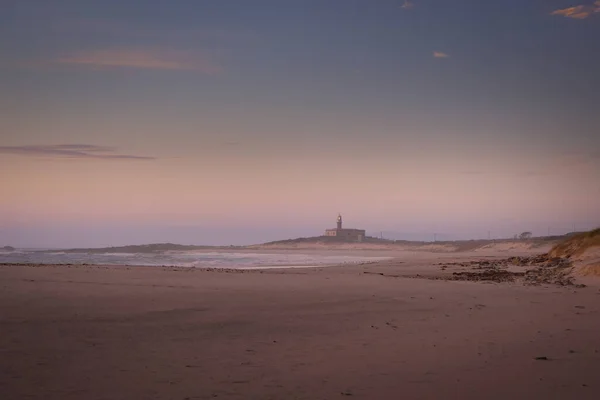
x=194, y=259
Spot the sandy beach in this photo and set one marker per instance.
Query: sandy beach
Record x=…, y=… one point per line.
x=299, y=200
x=365, y=331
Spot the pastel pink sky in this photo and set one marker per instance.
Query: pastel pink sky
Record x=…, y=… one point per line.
x=445, y=184
x=208, y=124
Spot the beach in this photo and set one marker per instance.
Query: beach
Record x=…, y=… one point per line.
x=370, y=331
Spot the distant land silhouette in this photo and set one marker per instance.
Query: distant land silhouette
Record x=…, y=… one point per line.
x=459, y=245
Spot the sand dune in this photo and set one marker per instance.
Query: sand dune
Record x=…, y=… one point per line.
x=583, y=250
x=587, y=264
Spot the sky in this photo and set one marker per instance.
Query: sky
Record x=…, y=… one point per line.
x=239, y=122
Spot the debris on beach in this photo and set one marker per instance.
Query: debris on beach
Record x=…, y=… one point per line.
x=495, y=275
x=539, y=269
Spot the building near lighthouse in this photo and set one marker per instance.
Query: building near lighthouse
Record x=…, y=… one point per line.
x=350, y=235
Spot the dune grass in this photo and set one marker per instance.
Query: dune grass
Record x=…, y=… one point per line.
x=576, y=244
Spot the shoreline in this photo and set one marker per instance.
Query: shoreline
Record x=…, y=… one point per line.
x=532, y=268
x=319, y=255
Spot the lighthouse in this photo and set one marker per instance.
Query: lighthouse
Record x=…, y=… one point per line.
x=345, y=234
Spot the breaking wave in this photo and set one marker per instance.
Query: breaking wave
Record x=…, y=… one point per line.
x=183, y=259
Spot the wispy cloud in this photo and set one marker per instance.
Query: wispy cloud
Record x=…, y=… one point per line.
x=72, y=151
x=132, y=43
x=141, y=59
x=407, y=5
x=568, y=159
x=56, y=19
x=533, y=173
x=439, y=54
x=495, y=173
x=125, y=30
x=565, y=162
x=578, y=12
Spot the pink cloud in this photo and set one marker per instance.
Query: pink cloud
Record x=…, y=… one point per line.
x=407, y=5
x=578, y=12
x=127, y=30
x=141, y=59
x=439, y=54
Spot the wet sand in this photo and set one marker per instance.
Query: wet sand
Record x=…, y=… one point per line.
x=319, y=333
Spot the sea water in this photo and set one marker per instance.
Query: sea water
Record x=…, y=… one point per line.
x=214, y=259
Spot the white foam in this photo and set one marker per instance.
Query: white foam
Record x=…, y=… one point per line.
x=234, y=260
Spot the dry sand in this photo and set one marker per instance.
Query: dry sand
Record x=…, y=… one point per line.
x=324, y=333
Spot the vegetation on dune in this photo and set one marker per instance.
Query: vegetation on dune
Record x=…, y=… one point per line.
x=576, y=244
